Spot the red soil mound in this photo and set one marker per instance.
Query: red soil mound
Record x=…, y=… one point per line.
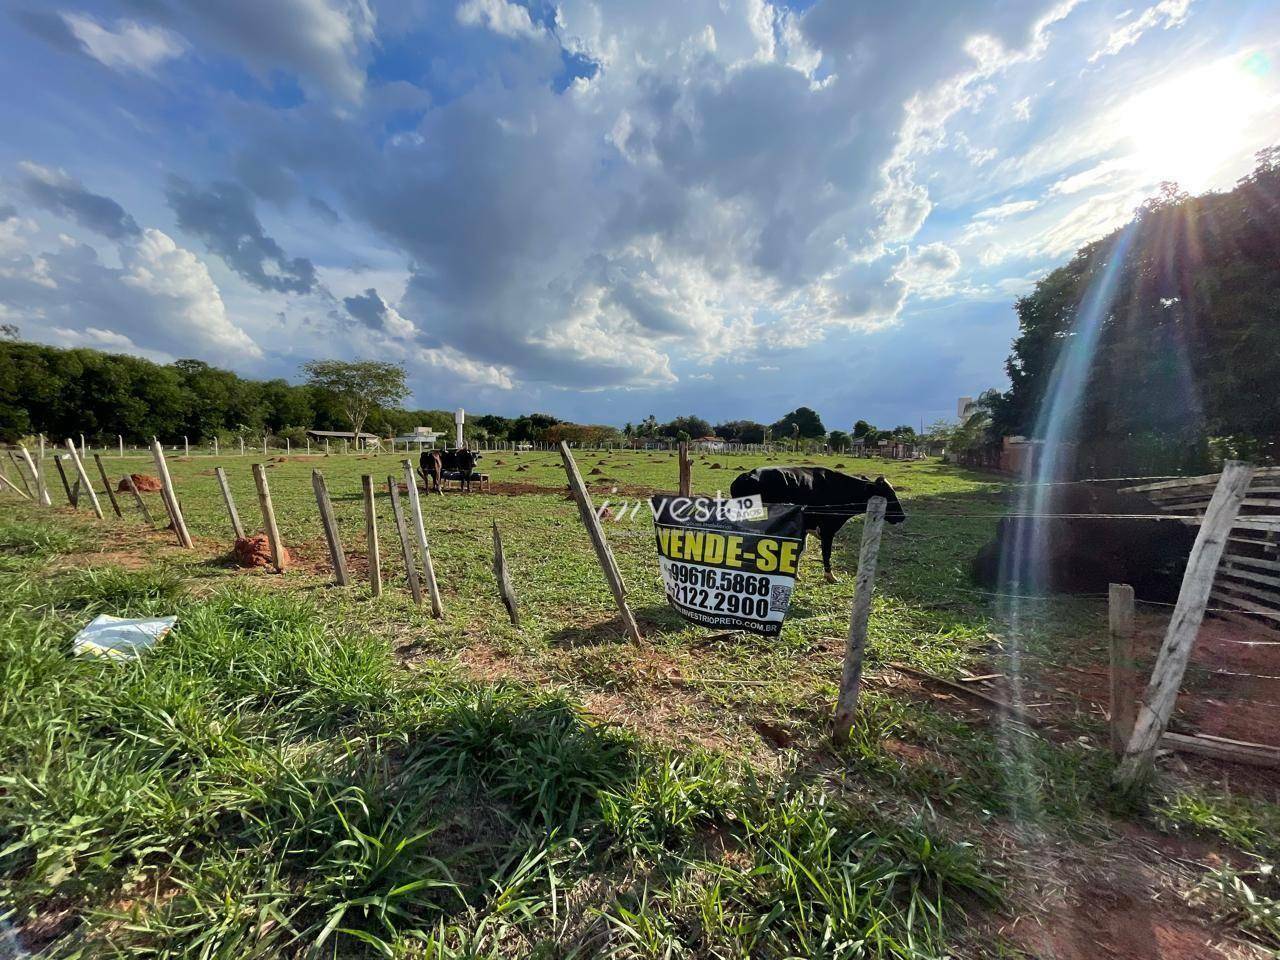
x=255, y=551
x=144, y=483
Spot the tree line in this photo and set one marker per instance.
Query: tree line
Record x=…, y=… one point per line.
x=1187, y=359
x=68, y=392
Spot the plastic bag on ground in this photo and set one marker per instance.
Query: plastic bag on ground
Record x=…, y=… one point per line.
x=108, y=636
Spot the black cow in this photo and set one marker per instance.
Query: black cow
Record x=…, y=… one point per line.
x=819, y=488
x=434, y=464
x=431, y=466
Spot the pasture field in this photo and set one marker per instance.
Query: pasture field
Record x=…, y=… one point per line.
x=302, y=770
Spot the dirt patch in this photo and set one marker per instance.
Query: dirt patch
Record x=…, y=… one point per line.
x=143, y=482
x=716, y=466
x=1107, y=923
x=594, y=471
x=514, y=488
x=839, y=466
x=255, y=551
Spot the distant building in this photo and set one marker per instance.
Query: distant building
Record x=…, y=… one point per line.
x=709, y=444
x=423, y=435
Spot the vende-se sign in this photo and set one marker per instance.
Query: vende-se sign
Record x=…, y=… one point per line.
x=729, y=564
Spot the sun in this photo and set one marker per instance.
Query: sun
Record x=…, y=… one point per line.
x=1198, y=127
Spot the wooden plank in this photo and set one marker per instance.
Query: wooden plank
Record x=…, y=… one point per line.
x=1231, y=569
x=330, y=524
x=1134, y=770
x=420, y=530
x=12, y=486
x=686, y=470
x=503, y=576
x=603, y=553
x=1246, y=605
x=269, y=517
x=137, y=498
x=106, y=483
x=84, y=478
x=1258, y=563
x=1124, y=674
x=406, y=547
x=1236, y=751
x=42, y=487
x=371, y=536
x=237, y=528
x=17, y=468
x=859, y=617
x=170, y=496
x=1266, y=596
x=71, y=498
x=1208, y=479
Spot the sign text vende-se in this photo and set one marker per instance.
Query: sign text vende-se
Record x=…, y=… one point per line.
x=729, y=564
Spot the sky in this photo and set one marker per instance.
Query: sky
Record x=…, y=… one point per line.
x=601, y=210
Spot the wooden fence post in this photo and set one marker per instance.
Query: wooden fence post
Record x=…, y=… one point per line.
x=269, y=516
x=415, y=507
x=237, y=529
x=106, y=482
x=1124, y=675
x=330, y=524
x=42, y=487
x=84, y=478
x=860, y=615
x=17, y=467
x=57, y=462
x=1162, y=691
x=12, y=486
x=411, y=568
x=170, y=497
x=371, y=536
x=686, y=471
x=137, y=497
x=603, y=554
x=503, y=576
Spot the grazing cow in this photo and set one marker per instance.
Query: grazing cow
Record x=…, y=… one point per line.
x=434, y=464
x=819, y=488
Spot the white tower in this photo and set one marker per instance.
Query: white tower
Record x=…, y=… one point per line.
x=459, y=418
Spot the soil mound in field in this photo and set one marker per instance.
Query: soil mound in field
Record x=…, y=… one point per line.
x=255, y=551
x=143, y=482
x=594, y=471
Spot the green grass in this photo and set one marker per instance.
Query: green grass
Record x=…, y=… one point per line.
x=271, y=781
x=260, y=784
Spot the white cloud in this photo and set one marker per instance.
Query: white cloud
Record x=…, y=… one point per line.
x=500, y=16
x=127, y=46
x=1167, y=14
x=1022, y=109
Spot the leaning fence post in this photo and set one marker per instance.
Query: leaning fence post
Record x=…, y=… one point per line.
x=598, y=541
x=330, y=525
x=142, y=506
x=1124, y=676
x=71, y=498
x=84, y=477
x=42, y=488
x=1162, y=691
x=106, y=483
x=415, y=507
x=503, y=576
x=371, y=536
x=170, y=497
x=17, y=467
x=237, y=528
x=864, y=586
x=411, y=568
x=686, y=470
x=5, y=481
x=269, y=516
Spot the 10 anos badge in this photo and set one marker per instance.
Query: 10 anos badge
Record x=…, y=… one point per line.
x=729, y=564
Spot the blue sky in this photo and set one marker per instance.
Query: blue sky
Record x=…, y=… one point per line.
x=601, y=209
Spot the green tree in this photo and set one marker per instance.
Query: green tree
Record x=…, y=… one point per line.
x=358, y=386
x=802, y=422
x=839, y=440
